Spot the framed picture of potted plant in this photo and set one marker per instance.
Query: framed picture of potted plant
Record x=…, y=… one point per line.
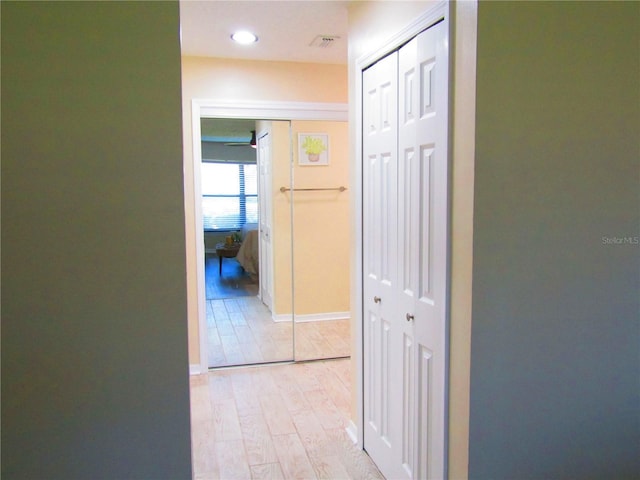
x=313, y=149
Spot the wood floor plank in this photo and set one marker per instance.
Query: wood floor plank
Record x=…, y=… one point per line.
x=217, y=304
x=257, y=440
x=211, y=319
x=305, y=377
x=205, y=461
x=224, y=326
x=276, y=415
x=268, y=471
x=226, y=425
x=234, y=281
x=245, y=394
x=232, y=349
x=244, y=334
x=213, y=336
x=294, y=400
x=293, y=457
x=263, y=381
x=248, y=335
x=235, y=412
x=199, y=398
x=293, y=397
x=252, y=353
x=202, y=438
x=220, y=388
x=216, y=356
x=313, y=437
x=231, y=305
x=237, y=317
x=343, y=372
x=329, y=468
x=232, y=460
x=357, y=463
x=325, y=409
x=336, y=390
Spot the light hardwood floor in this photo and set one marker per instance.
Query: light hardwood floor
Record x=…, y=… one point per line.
x=275, y=422
x=234, y=281
x=241, y=331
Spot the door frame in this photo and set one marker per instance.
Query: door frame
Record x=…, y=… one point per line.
x=253, y=110
x=434, y=14
x=268, y=203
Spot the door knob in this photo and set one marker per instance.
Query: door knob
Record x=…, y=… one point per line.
x=409, y=317
x=377, y=299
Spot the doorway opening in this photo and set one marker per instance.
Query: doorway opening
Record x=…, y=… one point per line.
x=275, y=302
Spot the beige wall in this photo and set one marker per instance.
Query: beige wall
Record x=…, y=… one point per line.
x=371, y=24
x=321, y=225
x=228, y=80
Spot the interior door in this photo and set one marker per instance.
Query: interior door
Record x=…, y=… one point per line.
x=263, y=145
x=380, y=329
x=422, y=250
x=405, y=260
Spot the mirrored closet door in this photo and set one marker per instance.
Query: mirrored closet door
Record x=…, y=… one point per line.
x=247, y=235
x=321, y=232
x=275, y=208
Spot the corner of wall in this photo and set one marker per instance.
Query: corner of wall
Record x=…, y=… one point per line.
x=464, y=32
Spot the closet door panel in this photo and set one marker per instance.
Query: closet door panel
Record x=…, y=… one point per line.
x=423, y=239
x=409, y=246
x=405, y=238
x=382, y=337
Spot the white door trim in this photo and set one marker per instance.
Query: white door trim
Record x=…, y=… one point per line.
x=433, y=15
x=255, y=110
x=265, y=207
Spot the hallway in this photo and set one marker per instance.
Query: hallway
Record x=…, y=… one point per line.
x=275, y=422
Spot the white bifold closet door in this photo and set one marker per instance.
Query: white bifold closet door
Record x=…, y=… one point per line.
x=405, y=238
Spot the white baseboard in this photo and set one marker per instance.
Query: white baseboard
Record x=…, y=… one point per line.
x=352, y=431
x=312, y=317
x=195, y=369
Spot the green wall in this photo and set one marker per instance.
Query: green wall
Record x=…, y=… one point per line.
x=94, y=315
x=555, y=366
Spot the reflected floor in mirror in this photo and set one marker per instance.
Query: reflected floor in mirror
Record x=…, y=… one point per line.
x=275, y=422
x=241, y=331
x=233, y=282
x=325, y=339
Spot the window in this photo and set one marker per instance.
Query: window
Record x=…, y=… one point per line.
x=229, y=195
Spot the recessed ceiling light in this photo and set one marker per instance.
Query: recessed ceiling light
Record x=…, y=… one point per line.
x=244, y=37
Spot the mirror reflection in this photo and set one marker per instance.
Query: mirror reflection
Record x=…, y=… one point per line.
x=247, y=235
x=276, y=233
x=321, y=233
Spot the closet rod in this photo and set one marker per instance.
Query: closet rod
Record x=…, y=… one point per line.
x=285, y=189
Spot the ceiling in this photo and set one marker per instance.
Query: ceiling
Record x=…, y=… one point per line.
x=285, y=29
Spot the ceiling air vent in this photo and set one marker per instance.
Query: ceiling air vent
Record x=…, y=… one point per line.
x=324, y=41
